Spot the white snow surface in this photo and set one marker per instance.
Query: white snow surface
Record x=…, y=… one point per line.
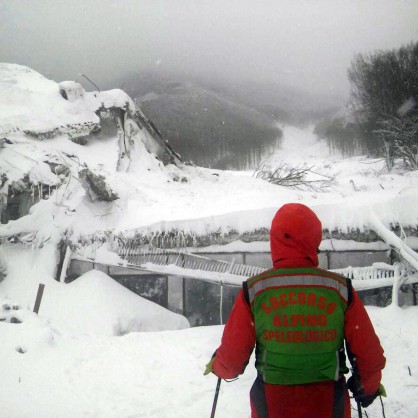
x=87, y=353
x=29, y=101
x=158, y=374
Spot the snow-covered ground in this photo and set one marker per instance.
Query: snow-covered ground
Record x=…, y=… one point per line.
x=69, y=367
x=88, y=352
x=212, y=198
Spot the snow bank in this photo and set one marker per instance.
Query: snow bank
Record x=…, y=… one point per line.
x=396, y=328
x=160, y=375
x=95, y=304
x=23, y=330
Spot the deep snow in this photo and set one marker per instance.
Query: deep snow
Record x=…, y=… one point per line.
x=156, y=374
x=87, y=353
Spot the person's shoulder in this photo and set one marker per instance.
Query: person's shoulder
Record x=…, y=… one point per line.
x=262, y=275
x=345, y=282
x=331, y=274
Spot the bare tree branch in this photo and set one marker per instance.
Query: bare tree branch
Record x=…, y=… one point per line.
x=295, y=177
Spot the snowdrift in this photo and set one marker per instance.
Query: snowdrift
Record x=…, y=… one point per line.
x=95, y=304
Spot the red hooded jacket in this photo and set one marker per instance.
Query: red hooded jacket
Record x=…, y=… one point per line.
x=295, y=236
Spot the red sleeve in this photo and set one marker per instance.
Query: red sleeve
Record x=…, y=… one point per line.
x=238, y=341
x=364, y=345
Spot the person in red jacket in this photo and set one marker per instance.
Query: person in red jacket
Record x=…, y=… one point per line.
x=301, y=321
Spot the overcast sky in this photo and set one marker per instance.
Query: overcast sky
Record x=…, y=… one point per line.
x=309, y=43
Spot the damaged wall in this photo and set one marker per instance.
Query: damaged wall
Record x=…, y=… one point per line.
x=72, y=113
x=132, y=127
x=16, y=198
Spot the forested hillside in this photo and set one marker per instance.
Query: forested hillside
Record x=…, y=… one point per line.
x=219, y=123
x=382, y=117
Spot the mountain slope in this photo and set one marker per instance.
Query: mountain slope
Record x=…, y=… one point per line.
x=206, y=126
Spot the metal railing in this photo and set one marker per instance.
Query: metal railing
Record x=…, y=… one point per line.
x=376, y=271
x=159, y=257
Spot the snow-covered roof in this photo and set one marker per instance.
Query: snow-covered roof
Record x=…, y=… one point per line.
x=31, y=102
x=71, y=90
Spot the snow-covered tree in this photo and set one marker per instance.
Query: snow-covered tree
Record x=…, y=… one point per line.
x=400, y=135
x=384, y=97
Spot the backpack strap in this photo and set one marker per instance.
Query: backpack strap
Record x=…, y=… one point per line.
x=246, y=294
x=350, y=292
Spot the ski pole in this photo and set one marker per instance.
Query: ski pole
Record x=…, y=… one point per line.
x=215, y=400
x=360, y=414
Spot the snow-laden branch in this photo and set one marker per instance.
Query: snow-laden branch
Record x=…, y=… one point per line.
x=394, y=241
x=295, y=177
x=409, y=255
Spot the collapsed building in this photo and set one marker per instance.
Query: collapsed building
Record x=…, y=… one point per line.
x=46, y=130
x=25, y=178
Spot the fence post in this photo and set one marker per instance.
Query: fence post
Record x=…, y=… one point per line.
x=183, y=282
x=396, y=285
x=38, y=297
x=221, y=302
x=65, y=264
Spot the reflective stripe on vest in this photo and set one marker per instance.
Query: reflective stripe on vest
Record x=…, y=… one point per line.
x=300, y=277
x=299, y=322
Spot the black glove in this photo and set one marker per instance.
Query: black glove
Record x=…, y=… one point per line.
x=353, y=383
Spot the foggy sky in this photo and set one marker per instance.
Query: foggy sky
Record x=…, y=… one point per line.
x=305, y=43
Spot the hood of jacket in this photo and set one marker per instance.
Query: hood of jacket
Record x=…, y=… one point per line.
x=295, y=235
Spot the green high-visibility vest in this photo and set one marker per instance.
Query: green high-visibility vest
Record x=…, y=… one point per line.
x=299, y=323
